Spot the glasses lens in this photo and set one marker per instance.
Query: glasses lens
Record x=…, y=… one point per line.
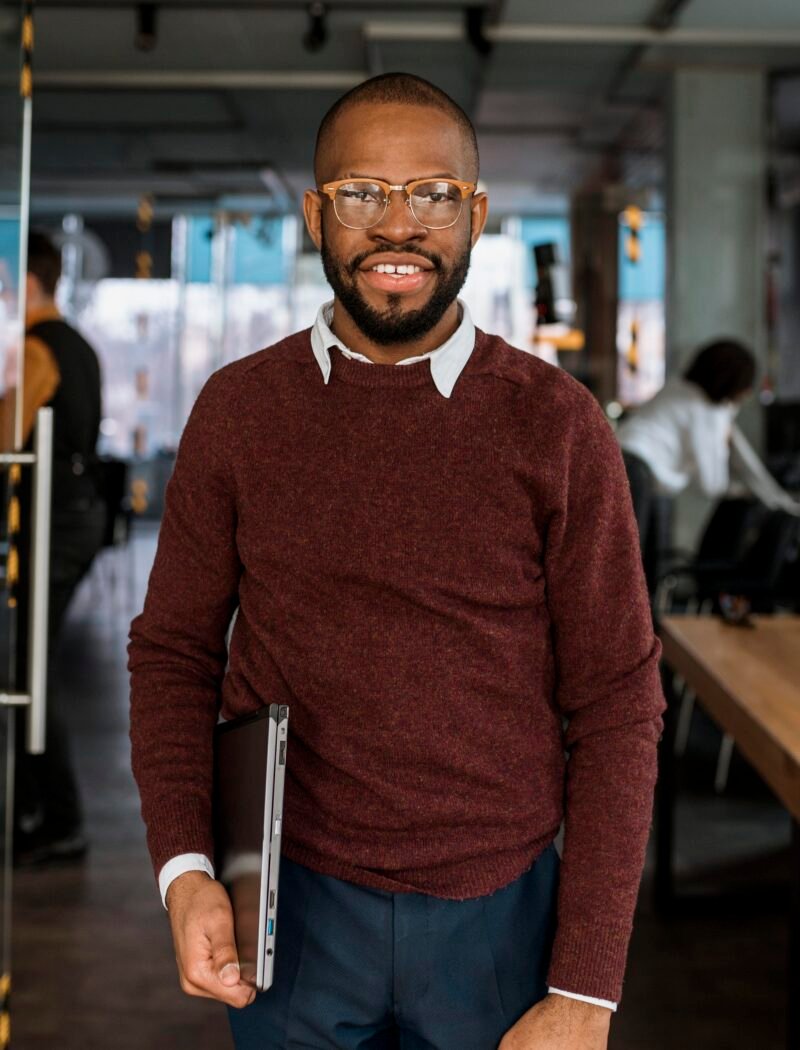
x=436, y=204
x=359, y=204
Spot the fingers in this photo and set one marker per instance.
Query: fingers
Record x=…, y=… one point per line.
x=206, y=950
x=203, y=985
x=229, y=974
x=224, y=964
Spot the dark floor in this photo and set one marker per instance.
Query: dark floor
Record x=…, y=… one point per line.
x=93, y=966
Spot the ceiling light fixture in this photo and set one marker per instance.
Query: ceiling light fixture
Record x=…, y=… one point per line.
x=145, y=38
x=316, y=35
x=475, y=23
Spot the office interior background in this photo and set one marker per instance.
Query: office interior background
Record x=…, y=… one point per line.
x=642, y=160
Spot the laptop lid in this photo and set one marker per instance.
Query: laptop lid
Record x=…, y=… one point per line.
x=248, y=809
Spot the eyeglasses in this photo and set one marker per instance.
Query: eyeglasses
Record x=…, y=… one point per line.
x=434, y=203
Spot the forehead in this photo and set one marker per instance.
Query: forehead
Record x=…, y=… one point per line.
x=396, y=142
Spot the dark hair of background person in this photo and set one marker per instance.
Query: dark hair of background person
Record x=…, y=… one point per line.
x=723, y=369
x=406, y=89
x=44, y=261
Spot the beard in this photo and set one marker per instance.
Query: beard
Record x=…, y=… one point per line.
x=394, y=325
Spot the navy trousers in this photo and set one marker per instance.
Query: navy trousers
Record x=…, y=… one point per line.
x=360, y=969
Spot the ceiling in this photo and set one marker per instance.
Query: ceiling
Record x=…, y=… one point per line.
x=226, y=104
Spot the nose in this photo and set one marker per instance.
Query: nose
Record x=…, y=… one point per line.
x=398, y=224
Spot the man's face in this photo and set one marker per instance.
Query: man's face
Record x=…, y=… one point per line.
x=396, y=143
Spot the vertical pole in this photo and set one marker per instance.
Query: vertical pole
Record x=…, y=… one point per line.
x=291, y=246
x=26, y=91
x=72, y=266
x=179, y=265
x=40, y=582
x=220, y=264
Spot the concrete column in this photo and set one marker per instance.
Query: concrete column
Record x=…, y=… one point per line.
x=716, y=203
x=595, y=269
x=716, y=214
x=788, y=322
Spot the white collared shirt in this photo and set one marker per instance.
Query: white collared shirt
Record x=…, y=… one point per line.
x=447, y=364
x=447, y=361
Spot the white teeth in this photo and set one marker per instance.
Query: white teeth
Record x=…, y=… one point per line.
x=396, y=270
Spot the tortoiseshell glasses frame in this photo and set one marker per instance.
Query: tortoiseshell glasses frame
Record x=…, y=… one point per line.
x=369, y=198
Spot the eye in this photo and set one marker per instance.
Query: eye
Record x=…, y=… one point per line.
x=436, y=193
x=359, y=193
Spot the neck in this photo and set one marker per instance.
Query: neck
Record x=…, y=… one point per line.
x=345, y=328
x=37, y=303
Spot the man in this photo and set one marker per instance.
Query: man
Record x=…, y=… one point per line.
x=430, y=541
x=61, y=371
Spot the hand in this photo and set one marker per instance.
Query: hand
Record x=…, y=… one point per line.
x=559, y=1023
x=202, y=930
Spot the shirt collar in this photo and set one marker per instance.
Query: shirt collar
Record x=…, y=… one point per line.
x=447, y=361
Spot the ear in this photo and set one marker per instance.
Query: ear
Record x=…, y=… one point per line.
x=480, y=212
x=312, y=212
x=33, y=288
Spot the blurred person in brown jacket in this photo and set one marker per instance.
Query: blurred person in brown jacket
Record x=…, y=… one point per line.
x=61, y=371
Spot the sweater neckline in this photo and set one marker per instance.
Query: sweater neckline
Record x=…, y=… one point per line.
x=359, y=373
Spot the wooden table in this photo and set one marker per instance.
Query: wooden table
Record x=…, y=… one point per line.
x=748, y=680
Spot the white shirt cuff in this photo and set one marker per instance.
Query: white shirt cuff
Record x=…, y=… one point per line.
x=179, y=866
x=585, y=999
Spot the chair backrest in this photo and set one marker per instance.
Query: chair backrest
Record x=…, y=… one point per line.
x=773, y=550
x=731, y=529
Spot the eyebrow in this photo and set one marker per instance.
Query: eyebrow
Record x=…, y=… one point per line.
x=440, y=175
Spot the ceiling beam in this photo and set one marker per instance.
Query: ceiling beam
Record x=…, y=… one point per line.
x=265, y=6
x=234, y=79
x=133, y=127
x=526, y=33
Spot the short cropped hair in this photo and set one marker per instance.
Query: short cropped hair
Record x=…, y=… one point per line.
x=44, y=261
x=403, y=88
x=723, y=369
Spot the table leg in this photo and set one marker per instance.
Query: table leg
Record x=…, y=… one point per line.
x=793, y=991
x=664, y=881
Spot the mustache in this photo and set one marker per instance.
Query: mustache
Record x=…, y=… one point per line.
x=400, y=249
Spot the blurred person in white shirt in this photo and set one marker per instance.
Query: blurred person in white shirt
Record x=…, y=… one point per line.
x=687, y=435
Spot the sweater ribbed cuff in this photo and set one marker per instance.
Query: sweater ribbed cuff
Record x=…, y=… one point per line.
x=174, y=829
x=590, y=959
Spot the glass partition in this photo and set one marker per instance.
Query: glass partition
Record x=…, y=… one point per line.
x=15, y=129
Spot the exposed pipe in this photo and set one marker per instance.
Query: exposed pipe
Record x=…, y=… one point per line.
x=661, y=23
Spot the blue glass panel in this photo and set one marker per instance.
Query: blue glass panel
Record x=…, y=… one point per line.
x=198, y=264
x=258, y=256
x=9, y=254
x=644, y=281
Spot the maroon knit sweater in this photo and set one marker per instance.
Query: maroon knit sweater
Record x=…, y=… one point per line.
x=434, y=585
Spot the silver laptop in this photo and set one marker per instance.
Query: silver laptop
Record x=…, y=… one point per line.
x=249, y=777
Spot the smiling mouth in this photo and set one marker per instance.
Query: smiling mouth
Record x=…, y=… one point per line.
x=398, y=271
x=396, y=280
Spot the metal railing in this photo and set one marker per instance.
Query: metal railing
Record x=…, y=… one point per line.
x=35, y=696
